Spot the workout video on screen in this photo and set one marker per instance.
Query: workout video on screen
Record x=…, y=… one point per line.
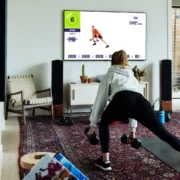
x=96, y=35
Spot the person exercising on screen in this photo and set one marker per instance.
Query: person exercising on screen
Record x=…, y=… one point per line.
x=95, y=35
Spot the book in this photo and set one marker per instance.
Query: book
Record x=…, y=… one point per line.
x=70, y=167
x=49, y=168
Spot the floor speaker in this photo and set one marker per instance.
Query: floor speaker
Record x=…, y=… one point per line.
x=57, y=87
x=166, y=84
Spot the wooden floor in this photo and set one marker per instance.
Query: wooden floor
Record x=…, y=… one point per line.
x=10, y=142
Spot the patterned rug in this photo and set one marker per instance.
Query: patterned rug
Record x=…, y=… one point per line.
x=41, y=134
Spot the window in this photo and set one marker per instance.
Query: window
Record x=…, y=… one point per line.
x=176, y=52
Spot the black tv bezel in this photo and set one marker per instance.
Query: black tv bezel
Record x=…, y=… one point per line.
x=81, y=60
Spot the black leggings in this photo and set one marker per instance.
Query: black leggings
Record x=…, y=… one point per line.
x=128, y=104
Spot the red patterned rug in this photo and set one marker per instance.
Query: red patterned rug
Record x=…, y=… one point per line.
x=41, y=134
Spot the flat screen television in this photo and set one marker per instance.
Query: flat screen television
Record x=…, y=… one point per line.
x=90, y=35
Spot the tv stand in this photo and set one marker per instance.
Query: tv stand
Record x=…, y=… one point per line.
x=84, y=94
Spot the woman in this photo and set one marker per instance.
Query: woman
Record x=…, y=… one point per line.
x=121, y=89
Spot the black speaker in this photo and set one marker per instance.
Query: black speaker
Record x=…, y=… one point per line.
x=57, y=86
x=166, y=84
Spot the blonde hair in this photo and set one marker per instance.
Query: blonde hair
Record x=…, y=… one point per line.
x=119, y=58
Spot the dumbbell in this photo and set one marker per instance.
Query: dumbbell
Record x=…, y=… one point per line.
x=135, y=143
x=96, y=40
x=93, y=138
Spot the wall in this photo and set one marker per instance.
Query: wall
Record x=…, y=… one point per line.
x=35, y=37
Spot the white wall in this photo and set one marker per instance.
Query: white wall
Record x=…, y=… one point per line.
x=2, y=127
x=35, y=37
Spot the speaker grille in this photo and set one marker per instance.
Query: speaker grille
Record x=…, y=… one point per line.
x=57, y=81
x=166, y=83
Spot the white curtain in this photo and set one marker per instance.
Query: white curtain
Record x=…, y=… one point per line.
x=176, y=52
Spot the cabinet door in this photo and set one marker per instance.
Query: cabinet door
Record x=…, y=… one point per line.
x=145, y=89
x=83, y=94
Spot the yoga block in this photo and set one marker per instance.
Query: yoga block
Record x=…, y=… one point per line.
x=49, y=168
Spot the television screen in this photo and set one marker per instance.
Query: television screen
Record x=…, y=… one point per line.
x=96, y=35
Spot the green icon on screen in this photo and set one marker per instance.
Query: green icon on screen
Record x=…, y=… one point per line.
x=72, y=19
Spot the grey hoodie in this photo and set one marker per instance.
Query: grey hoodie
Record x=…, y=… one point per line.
x=116, y=79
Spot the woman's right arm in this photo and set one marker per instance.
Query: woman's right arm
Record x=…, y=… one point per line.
x=100, y=102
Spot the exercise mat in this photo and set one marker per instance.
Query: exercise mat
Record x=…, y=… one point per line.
x=163, y=151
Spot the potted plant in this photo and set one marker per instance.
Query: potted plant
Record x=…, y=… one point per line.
x=138, y=73
x=89, y=80
x=83, y=77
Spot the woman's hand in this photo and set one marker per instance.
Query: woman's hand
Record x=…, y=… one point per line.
x=91, y=130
